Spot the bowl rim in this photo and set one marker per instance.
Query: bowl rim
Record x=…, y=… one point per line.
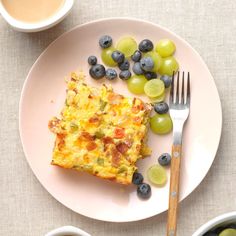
x=214, y=222
x=37, y=26
x=61, y=231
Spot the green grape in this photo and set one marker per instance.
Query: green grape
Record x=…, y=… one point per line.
x=156, y=59
x=228, y=232
x=136, y=84
x=157, y=175
x=106, y=57
x=154, y=88
x=127, y=45
x=161, y=123
x=168, y=66
x=165, y=47
x=160, y=98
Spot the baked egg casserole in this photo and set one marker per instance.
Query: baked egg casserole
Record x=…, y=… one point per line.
x=100, y=132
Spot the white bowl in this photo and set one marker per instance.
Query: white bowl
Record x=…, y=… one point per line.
x=67, y=230
x=39, y=26
x=216, y=222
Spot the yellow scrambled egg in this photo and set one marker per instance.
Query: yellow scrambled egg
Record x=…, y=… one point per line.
x=100, y=132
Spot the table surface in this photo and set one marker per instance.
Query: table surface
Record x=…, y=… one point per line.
x=209, y=26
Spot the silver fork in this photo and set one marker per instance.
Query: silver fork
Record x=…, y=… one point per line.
x=179, y=103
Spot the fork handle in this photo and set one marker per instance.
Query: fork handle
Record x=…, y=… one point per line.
x=174, y=190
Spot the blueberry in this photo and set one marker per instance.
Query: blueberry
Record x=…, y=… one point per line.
x=92, y=60
x=125, y=74
x=144, y=191
x=147, y=63
x=105, y=41
x=145, y=45
x=137, y=69
x=124, y=65
x=164, y=159
x=150, y=75
x=111, y=74
x=167, y=80
x=136, y=56
x=161, y=107
x=210, y=234
x=97, y=72
x=137, y=178
x=118, y=56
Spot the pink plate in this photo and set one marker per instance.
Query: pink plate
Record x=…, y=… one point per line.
x=43, y=97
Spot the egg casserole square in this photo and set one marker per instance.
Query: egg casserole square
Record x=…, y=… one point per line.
x=100, y=132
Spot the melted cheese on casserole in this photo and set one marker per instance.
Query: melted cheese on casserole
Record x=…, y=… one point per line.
x=100, y=132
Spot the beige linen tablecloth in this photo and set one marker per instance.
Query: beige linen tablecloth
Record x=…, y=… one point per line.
x=27, y=209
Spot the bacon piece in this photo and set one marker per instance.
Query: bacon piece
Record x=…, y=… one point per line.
x=61, y=141
x=141, y=106
x=115, y=157
x=87, y=136
x=137, y=120
x=135, y=110
x=115, y=97
x=122, y=148
x=91, y=146
x=119, y=133
x=107, y=140
x=94, y=119
x=138, y=105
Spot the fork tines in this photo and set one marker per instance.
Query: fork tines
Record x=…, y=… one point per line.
x=175, y=96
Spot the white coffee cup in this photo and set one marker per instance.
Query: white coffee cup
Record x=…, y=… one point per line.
x=38, y=26
x=67, y=230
